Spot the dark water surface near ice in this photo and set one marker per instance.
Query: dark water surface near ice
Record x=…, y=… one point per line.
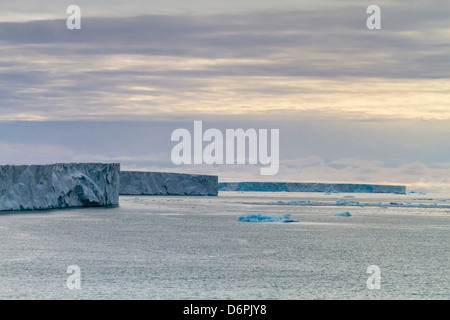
x=194, y=248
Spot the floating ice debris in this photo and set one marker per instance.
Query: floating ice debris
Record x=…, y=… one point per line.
x=292, y=202
x=344, y=202
x=299, y=202
x=343, y=214
x=265, y=217
x=259, y=217
x=423, y=205
x=286, y=217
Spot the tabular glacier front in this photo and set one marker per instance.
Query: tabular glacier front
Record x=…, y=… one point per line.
x=62, y=185
x=309, y=187
x=167, y=183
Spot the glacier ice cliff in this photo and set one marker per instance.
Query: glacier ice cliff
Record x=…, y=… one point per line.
x=310, y=187
x=265, y=217
x=167, y=183
x=63, y=185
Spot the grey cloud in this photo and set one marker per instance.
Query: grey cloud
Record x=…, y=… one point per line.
x=340, y=35
x=325, y=43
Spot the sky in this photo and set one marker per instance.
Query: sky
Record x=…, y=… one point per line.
x=352, y=105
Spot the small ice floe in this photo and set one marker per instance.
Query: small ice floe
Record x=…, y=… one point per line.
x=293, y=202
x=345, y=202
x=299, y=202
x=424, y=205
x=265, y=217
x=343, y=214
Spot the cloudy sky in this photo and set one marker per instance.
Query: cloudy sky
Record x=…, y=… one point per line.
x=351, y=104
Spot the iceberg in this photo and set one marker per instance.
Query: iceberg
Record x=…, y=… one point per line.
x=265, y=217
x=343, y=214
x=310, y=187
x=63, y=185
x=167, y=183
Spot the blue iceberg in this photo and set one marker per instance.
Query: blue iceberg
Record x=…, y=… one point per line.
x=343, y=214
x=265, y=217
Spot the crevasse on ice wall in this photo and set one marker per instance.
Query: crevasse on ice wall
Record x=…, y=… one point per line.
x=166, y=183
x=61, y=185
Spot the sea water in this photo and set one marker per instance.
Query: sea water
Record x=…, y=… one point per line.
x=167, y=247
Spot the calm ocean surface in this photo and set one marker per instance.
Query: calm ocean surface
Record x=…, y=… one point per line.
x=193, y=248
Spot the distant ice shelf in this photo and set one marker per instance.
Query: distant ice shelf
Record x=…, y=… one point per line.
x=310, y=187
x=63, y=185
x=166, y=183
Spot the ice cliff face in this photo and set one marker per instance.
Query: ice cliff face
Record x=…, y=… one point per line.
x=164, y=183
x=52, y=186
x=310, y=187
